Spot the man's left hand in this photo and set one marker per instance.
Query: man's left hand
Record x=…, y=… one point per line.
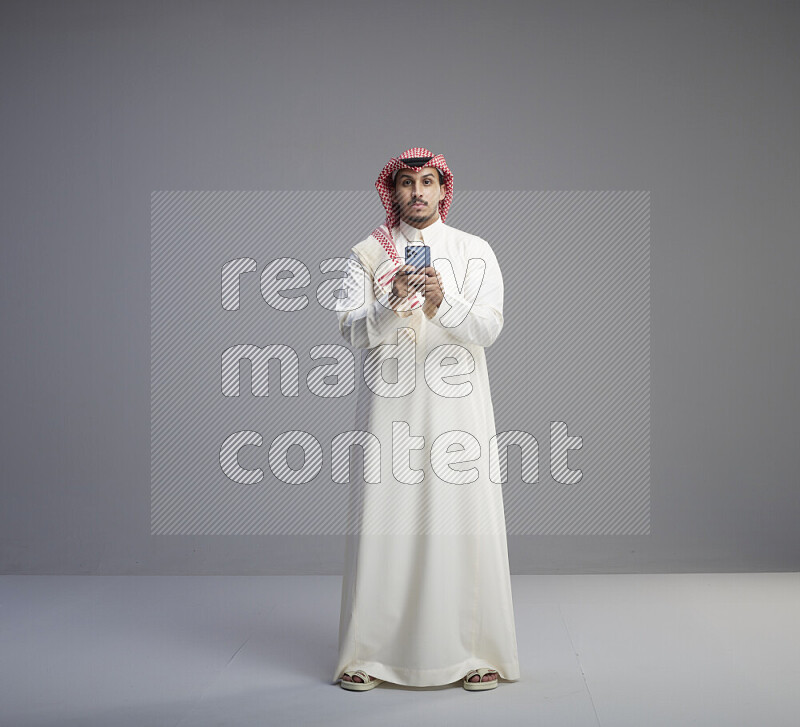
x=434, y=292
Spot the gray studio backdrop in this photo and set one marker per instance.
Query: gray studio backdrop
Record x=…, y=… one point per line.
x=682, y=114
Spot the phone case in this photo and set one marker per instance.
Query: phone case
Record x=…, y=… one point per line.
x=418, y=255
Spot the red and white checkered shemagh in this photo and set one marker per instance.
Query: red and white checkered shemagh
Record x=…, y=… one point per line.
x=385, y=187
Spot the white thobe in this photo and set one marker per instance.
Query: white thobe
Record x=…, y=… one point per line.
x=426, y=592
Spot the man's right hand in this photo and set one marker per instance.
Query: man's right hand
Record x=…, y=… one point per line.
x=404, y=285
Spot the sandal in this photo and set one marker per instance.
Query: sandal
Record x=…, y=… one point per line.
x=362, y=686
x=480, y=685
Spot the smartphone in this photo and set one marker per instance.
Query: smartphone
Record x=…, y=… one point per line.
x=419, y=256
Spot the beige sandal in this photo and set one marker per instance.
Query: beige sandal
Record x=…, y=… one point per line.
x=362, y=686
x=480, y=684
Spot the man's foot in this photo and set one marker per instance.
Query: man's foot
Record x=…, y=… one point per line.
x=478, y=680
x=486, y=677
x=355, y=678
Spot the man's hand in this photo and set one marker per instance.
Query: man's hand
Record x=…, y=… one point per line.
x=404, y=285
x=426, y=279
x=434, y=292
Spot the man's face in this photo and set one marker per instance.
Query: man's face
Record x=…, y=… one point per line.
x=416, y=195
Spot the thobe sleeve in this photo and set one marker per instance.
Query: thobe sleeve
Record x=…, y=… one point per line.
x=481, y=322
x=373, y=322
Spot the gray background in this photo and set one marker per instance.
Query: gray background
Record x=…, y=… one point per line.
x=105, y=102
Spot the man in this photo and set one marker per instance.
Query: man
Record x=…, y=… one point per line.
x=426, y=593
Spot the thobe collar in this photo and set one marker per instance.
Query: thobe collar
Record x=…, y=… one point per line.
x=426, y=235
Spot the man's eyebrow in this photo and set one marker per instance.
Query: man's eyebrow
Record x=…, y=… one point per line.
x=401, y=175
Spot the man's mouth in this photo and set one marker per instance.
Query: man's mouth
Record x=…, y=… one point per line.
x=418, y=204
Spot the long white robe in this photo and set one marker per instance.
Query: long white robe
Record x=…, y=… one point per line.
x=426, y=592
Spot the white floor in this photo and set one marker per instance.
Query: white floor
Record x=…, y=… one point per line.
x=611, y=650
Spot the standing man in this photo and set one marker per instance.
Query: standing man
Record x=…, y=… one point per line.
x=426, y=593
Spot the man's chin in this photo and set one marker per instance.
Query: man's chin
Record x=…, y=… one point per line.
x=416, y=219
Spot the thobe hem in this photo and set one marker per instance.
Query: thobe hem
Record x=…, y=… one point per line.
x=430, y=677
